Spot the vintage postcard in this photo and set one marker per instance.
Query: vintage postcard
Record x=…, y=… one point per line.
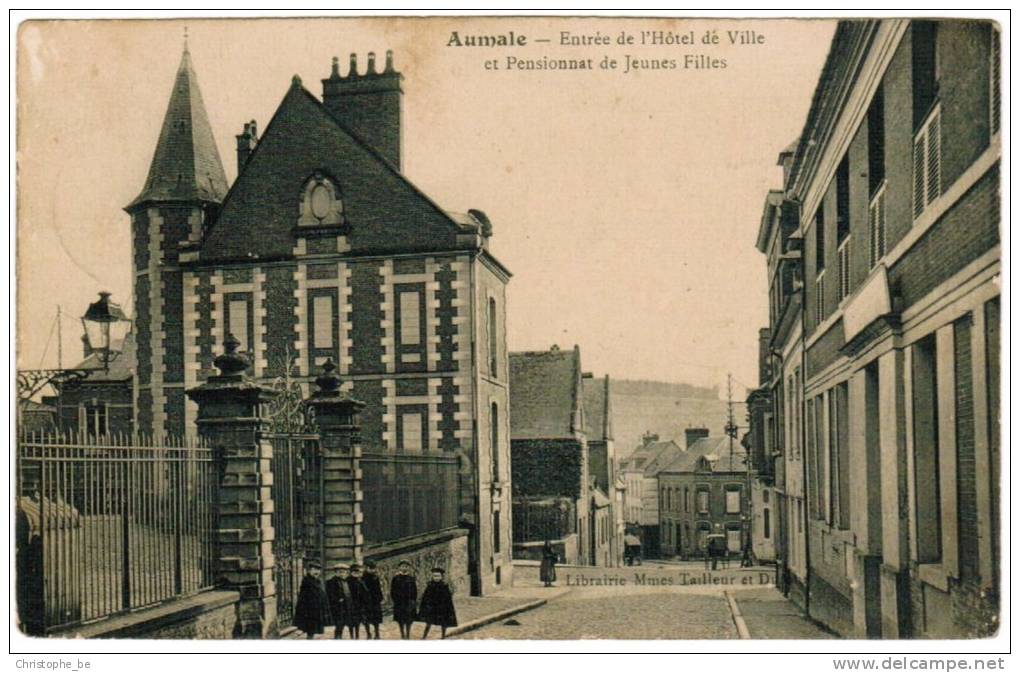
x=513, y=328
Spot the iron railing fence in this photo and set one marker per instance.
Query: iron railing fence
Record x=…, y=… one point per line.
x=408, y=494
x=110, y=524
x=540, y=519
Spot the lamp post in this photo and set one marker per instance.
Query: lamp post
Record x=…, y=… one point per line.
x=105, y=326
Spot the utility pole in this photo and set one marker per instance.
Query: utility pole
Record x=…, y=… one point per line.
x=731, y=428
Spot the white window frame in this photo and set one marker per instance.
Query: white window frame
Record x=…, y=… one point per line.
x=322, y=321
x=416, y=446
x=708, y=499
x=737, y=491
x=877, y=226
x=410, y=320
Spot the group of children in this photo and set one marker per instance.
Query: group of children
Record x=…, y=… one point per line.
x=352, y=598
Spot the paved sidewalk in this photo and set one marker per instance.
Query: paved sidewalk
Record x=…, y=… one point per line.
x=769, y=615
x=472, y=613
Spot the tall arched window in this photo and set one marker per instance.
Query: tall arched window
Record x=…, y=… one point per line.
x=494, y=449
x=492, y=337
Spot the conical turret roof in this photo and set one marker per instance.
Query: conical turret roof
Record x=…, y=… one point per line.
x=186, y=165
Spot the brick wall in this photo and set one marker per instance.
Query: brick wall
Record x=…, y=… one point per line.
x=211, y=615
x=371, y=393
x=969, y=229
x=366, y=318
x=964, y=89
x=825, y=350
x=831, y=594
x=899, y=138
x=830, y=606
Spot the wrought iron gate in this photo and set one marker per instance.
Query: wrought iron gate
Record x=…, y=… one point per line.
x=297, y=514
x=297, y=488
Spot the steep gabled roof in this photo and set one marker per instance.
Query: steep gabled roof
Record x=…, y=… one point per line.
x=716, y=454
x=545, y=394
x=385, y=211
x=669, y=452
x=649, y=456
x=186, y=165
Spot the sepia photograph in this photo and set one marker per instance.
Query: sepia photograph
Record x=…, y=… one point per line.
x=509, y=328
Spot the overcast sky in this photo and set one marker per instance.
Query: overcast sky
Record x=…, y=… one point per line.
x=626, y=205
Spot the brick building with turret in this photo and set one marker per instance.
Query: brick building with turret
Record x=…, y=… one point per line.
x=323, y=249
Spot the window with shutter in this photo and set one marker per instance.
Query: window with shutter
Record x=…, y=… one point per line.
x=927, y=163
x=844, y=268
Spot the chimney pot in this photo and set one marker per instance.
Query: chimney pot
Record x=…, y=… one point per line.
x=246, y=142
x=693, y=435
x=368, y=105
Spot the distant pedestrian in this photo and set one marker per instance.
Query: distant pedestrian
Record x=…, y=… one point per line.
x=311, y=614
x=547, y=572
x=404, y=594
x=341, y=603
x=372, y=609
x=437, y=605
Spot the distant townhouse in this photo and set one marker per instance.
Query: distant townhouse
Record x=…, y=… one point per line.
x=640, y=472
x=895, y=185
x=703, y=491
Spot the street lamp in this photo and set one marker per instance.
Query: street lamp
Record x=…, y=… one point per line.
x=105, y=325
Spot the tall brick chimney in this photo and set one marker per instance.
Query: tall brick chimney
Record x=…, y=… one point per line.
x=246, y=141
x=693, y=435
x=368, y=105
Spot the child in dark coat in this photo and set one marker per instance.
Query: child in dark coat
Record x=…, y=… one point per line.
x=372, y=609
x=311, y=614
x=437, y=605
x=359, y=592
x=341, y=603
x=404, y=594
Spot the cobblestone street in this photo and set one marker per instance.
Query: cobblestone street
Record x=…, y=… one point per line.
x=638, y=603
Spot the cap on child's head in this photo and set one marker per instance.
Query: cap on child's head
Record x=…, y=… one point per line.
x=341, y=566
x=313, y=565
x=355, y=566
x=370, y=565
